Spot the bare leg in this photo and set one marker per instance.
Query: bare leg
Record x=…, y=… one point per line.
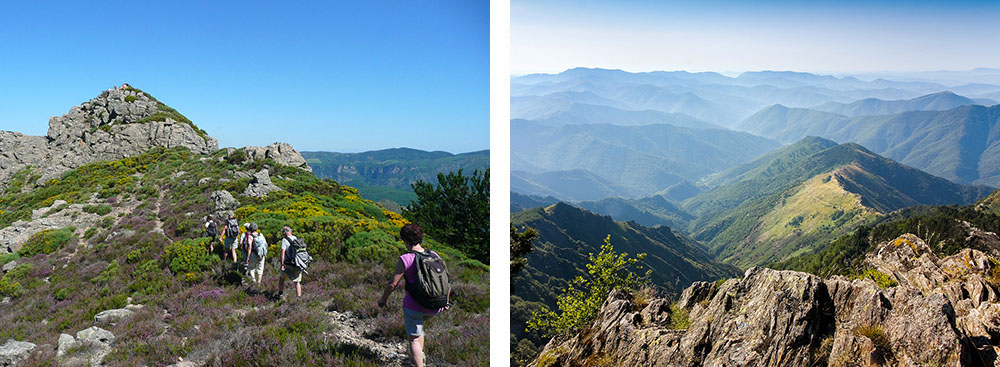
x=417, y=350
x=234, y=254
x=298, y=289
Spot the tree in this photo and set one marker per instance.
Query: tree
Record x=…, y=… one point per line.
x=520, y=245
x=579, y=304
x=456, y=211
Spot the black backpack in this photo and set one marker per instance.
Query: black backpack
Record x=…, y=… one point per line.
x=296, y=255
x=232, y=228
x=212, y=230
x=432, y=287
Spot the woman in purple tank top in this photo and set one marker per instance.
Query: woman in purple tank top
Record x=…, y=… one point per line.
x=414, y=314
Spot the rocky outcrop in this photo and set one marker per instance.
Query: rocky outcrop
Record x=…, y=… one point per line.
x=119, y=123
x=260, y=185
x=940, y=312
x=280, y=153
x=12, y=352
x=224, y=203
x=58, y=215
x=88, y=348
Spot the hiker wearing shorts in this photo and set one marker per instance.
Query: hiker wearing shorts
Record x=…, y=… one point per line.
x=293, y=273
x=230, y=231
x=256, y=255
x=414, y=314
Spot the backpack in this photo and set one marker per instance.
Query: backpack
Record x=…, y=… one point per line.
x=431, y=288
x=260, y=247
x=296, y=255
x=212, y=229
x=232, y=228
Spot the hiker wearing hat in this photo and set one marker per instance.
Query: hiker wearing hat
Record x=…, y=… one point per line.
x=257, y=254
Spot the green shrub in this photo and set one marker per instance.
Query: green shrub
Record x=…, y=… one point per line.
x=110, y=272
x=188, y=256
x=10, y=285
x=6, y=258
x=580, y=303
x=881, y=279
x=101, y=209
x=63, y=294
x=131, y=99
x=47, y=241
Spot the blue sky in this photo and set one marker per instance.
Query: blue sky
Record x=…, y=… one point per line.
x=734, y=36
x=343, y=76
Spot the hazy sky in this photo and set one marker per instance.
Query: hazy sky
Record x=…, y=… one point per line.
x=733, y=36
x=342, y=76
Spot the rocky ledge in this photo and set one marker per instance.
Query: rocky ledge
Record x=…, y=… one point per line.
x=121, y=122
x=931, y=312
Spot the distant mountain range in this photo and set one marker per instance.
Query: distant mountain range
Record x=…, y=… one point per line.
x=590, y=162
x=716, y=98
x=873, y=106
x=961, y=144
x=388, y=173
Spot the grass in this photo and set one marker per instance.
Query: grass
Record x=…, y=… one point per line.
x=678, y=318
x=878, y=337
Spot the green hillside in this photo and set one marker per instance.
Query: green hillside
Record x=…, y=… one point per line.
x=147, y=249
x=388, y=173
x=959, y=144
x=792, y=200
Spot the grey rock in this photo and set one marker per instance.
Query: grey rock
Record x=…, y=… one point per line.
x=8, y=266
x=260, y=185
x=95, y=335
x=12, y=352
x=112, y=316
x=280, y=153
x=66, y=342
x=943, y=312
x=204, y=181
x=223, y=200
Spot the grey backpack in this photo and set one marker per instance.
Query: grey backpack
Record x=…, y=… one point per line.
x=431, y=288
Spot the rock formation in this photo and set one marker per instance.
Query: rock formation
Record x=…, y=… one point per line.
x=121, y=122
x=933, y=312
x=260, y=185
x=280, y=153
x=12, y=352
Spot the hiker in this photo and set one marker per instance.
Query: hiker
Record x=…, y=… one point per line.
x=231, y=230
x=288, y=267
x=211, y=231
x=418, y=306
x=256, y=255
x=245, y=242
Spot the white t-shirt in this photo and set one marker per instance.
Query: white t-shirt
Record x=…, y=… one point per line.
x=284, y=242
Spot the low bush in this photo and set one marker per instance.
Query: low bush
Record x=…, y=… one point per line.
x=47, y=241
x=101, y=209
x=188, y=256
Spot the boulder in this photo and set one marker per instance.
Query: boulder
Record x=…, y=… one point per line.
x=223, y=200
x=260, y=185
x=13, y=352
x=95, y=335
x=113, y=316
x=66, y=342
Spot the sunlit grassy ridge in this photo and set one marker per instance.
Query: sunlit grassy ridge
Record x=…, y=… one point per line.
x=147, y=248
